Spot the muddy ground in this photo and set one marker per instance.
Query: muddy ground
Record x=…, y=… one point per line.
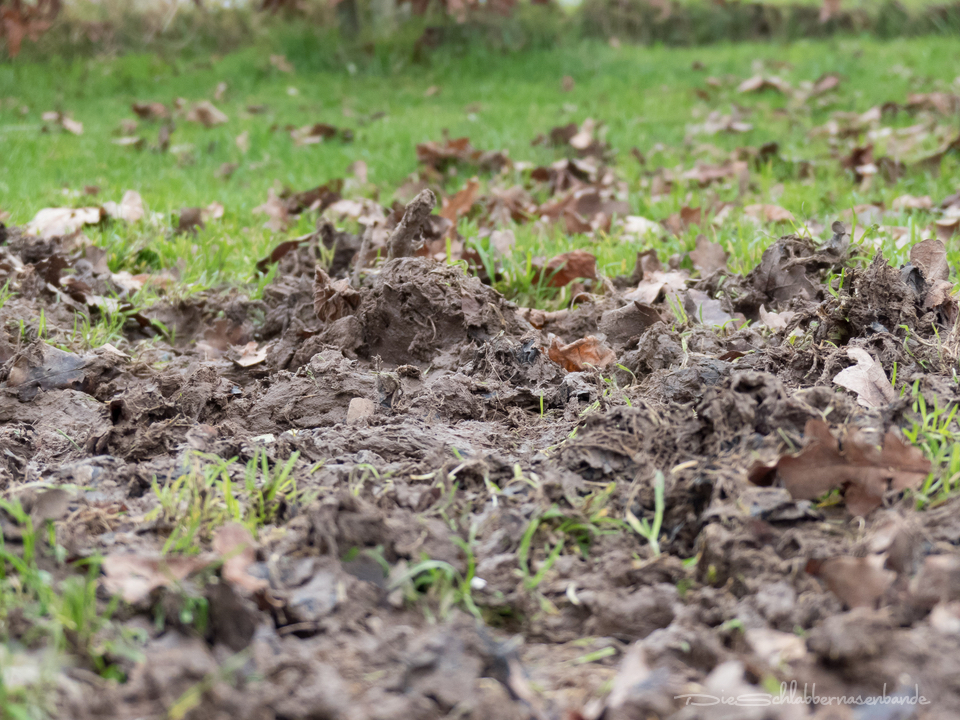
x=427, y=421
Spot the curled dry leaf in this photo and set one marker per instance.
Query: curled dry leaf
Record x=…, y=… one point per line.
x=243, y=141
x=565, y=268
x=276, y=210
x=134, y=577
x=909, y=202
x=129, y=209
x=206, y=114
x=150, y=110
x=248, y=355
x=281, y=63
x=705, y=310
x=759, y=83
x=769, y=213
x=857, y=581
x=461, y=202
x=776, y=321
x=654, y=280
x=866, y=379
x=234, y=543
x=826, y=83
x=708, y=257
x=52, y=222
x=333, y=299
x=863, y=472
x=581, y=354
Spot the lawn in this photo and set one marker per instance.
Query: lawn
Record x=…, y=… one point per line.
x=645, y=97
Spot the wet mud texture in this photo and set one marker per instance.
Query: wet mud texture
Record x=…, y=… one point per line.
x=429, y=423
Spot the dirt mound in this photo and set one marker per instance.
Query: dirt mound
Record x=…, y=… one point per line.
x=449, y=523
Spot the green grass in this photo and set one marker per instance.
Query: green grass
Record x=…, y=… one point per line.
x=645, y=97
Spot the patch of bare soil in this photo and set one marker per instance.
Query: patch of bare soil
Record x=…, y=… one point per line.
x=474, y=482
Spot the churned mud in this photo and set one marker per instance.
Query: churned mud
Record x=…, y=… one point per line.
x=473, y=481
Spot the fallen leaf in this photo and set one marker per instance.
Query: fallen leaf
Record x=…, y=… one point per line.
x=53, y=222
x=333, y=299
x=317, y=133
x=129, y=209
x=930, y=256
x=150, y=111
x=206, y=114
x=133, y=141
x=759, y=83
x=864, y=473
x=281, y=63
x=640, y=226
x=857, y=581
x=248, y=355
x=460, y=203
x=220, y=91
x=866, y=379
x=705, y=310
x=769, y=213
x=276, y=210
x=567, y=267
x=568, y=83
x=234, y=543
x=71, y=126
x=776, y=321
x=909, y=202
x=431, y=91
x=826, y=83
x=708, y=257
x=680, y=222
x=243, y=141
x=134, y=577
x=581, y=354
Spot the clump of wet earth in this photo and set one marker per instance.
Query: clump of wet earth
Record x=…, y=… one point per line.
x=394, y=494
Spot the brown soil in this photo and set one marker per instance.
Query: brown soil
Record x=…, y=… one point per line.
x=428, y=418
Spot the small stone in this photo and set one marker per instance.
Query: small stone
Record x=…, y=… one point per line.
x=359, y=409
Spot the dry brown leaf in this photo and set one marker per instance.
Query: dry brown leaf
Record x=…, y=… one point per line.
x=150, y=111
x=581, y=354
x=759, y=83
x=129, y=209
x=234, y=543
x=243, y=141
x=909, y=202
x=768, y=213
x=776, y=321
x=708, y=257
x=866, y=379
x=134, y=577
x=567, y=267
x=826, y=83
x=678, y=223
x=71, y=125
x=930, y=256
x=281, y=63
x=53, y=222
x=333, y=299
x=460, y=203
x=705, y=310
x=276, y=210
x=863, y=472
x=205, y=113
x=431, y=91
x=857, y=581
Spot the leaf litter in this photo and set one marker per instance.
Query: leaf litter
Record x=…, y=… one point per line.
x=382, y=449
